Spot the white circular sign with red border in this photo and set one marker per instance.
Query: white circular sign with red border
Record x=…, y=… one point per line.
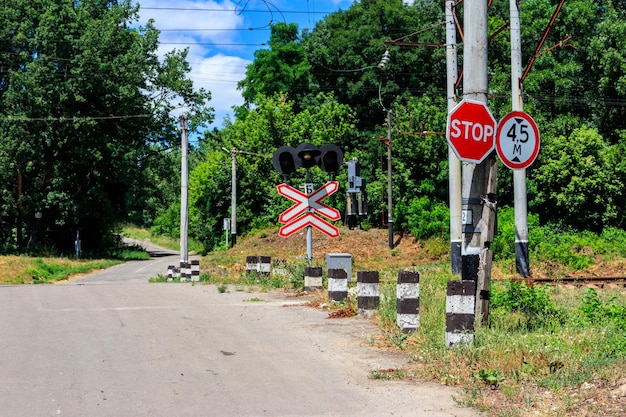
x=517, y=140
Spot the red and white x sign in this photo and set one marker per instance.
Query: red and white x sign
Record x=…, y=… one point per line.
x=308, y=203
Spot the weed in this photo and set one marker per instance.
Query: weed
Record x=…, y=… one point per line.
x=399, y=339
x=255, y=300
x=490, y=377
x=387, y=374
x=158, y=278
x=222, y=288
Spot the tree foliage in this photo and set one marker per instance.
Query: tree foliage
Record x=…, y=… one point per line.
x=84, y=100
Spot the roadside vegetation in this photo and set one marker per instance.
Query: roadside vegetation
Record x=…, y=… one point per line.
x=45, y=267
x=547, y=349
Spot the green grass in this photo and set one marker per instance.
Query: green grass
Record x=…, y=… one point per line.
x=538, y=338
x=168, y=242
x=45, y=271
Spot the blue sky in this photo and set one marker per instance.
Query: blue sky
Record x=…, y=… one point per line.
x=222, y=36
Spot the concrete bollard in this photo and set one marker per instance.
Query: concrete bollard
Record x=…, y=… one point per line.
x=195, y=271
x=460, y=315
x=258, y=265
x=368, y=292
x=337, y=284
x=407, y=301
x=252, y=264
x=279, y=267
x=313, y=278
x=170, y=272
x=265, y=265
x=184, y=271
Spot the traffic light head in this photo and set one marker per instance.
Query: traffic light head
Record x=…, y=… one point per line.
x=331, y=158
x=285, y=160
x=308, y=154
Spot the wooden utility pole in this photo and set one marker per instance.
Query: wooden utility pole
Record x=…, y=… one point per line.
x=479, y=180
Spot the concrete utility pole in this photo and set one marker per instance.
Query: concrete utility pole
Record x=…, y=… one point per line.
x=479, y=180
x=389, y=188
x=233, y=199
x=519, y=175
x=454, y=165
x=183, y=191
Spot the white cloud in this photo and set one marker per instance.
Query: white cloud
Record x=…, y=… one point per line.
x=194, y=24
x=219, y=74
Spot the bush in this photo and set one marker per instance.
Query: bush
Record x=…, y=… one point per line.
x=428, y=219
x=533, y=303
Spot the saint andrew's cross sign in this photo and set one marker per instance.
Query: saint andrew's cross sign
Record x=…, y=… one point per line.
x=302, y=214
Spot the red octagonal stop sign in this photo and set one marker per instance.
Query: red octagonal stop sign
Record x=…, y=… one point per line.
x=471, y=131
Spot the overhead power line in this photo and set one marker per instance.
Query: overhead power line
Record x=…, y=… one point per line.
x=189, y=9
x=71, y=119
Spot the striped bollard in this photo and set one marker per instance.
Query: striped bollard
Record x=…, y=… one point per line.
x=177, y=273
x=460, y=315
x=252, y=265
x=313, y=278
x=195, y=270
x=279, y=267
x=337, y=284
x=265, y=265
x=407, y=301
x=368, y=292
x=170, y=272
x=183, y=272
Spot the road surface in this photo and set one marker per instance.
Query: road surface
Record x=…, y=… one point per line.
x=111, y=344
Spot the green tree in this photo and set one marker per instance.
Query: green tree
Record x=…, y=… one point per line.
x=281, y=69
x=83, y=98
x=573, y=181
x=273, y=123
x=345, y=48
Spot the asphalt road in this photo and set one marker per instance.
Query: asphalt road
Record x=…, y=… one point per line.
x=111, y=344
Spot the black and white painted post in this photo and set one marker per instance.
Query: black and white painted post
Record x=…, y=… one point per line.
x=313, y=278
x=337, y=284
x=252, y=264
x=407, y=301
x=195, y=270
x=265, y=265
x=460, y=312
x=185, y=271
x=170, y=272
x=259, y=265
x=279, y=267
x=368, y=292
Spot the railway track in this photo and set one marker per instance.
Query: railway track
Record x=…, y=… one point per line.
x=577, y=281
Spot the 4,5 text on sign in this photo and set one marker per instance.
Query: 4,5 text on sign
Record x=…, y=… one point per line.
x=517, y=140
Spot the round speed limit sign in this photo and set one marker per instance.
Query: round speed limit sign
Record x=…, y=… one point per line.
x=517, y=140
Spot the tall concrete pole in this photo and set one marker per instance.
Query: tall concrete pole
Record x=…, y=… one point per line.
x=478, y=180
x=233, y=198
x=389, y=188
x=183, y=191
x=519, y=175
x=454, y=165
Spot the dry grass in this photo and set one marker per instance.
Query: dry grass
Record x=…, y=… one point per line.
x=17, y=269
x=524, y=365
